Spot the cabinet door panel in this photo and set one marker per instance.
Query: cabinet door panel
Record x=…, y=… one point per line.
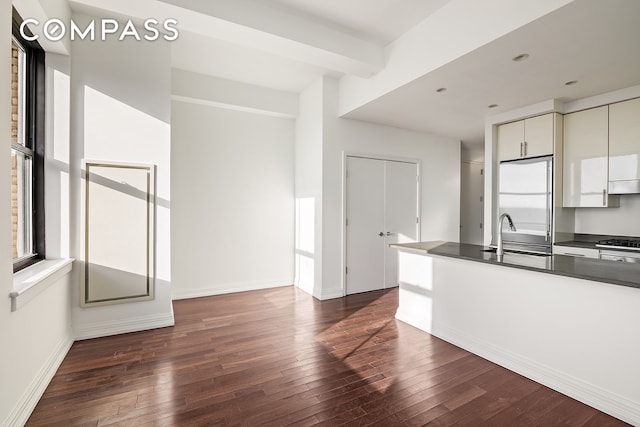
x=624, y=140
x=538, y=136
x=511, y=140
x=586, y=163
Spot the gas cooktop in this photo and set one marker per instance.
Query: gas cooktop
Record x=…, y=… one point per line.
x=626, y=244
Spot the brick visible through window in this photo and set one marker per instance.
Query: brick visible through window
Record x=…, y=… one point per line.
x=15, y=106
x=27, y=149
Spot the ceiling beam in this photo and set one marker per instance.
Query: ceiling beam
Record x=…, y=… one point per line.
x=255, y=25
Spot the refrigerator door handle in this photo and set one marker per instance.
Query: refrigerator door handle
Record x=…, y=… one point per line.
x=549, y=199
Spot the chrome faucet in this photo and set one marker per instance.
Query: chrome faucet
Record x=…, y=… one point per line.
x=500, y=250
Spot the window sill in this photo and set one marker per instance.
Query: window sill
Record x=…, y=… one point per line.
x=33, y=280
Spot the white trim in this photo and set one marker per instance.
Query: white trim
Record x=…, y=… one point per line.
x=533, y=110
x=576, y=388
x=345, y=155
x=602, y=99
x=417, y=320
x=373, y=156
x=228, y=288
x=29, y=399
x=151, y=169
x=33, y=280
x=331, y=294
x=472, y=162
x=116, y=327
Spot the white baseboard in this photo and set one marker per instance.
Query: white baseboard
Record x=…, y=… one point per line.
x=419, y=321
x=228, y=288
x=331, y=294
x=27, y=403
x=115, y=327
x=576, y=388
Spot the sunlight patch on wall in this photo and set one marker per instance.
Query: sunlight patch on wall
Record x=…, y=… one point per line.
x=115, y=131
x=305, y=244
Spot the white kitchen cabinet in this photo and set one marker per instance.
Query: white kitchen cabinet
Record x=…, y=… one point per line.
x=575, y=251
x=586, y=159
x=538, y=136
x=624, y=144
x=510, y=140
x=531, y=137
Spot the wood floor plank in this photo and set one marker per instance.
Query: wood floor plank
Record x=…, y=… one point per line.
x=279, y=357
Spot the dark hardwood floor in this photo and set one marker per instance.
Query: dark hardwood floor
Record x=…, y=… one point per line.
x=279, y=357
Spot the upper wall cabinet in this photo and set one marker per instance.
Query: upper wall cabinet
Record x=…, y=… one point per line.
x=531, y=137
x=624, y=146
x=586, y=162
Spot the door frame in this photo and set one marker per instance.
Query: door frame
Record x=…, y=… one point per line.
x=388, y=157
x=483, y=173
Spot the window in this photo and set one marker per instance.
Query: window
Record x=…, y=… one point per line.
x=27, y=149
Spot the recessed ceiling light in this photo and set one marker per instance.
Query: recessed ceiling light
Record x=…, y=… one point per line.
x=571, y=82
x=492, y=106
x=441, y=89
x=520, y=57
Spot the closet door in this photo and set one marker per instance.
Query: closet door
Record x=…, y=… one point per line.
x=381, y=206
x=365, y=224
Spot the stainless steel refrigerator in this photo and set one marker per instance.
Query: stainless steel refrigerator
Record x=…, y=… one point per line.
x=525, y=193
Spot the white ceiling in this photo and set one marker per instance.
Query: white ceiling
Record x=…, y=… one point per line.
x=593, y=42
x=287, y=44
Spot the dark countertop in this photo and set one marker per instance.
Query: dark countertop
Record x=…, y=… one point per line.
x=589, y=241
x=617, y=273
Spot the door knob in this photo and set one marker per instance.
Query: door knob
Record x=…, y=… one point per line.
x=389, y=233
x=381, y=234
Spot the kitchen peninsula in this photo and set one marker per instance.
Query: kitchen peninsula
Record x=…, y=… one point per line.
x=570, y=323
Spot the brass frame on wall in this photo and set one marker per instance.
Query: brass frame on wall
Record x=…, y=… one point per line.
x=86, y=301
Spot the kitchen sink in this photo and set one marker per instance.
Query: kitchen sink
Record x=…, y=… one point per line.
x=513, y=251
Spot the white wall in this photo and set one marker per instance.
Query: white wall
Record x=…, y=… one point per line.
x=233, y=200
x=36, y=338
x=308, y=190
x=622, y=221
x=57, y=148
x=440, y=176
x=120, y=111
x=38, y=335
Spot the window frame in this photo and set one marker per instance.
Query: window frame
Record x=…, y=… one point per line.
x=34, y=137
